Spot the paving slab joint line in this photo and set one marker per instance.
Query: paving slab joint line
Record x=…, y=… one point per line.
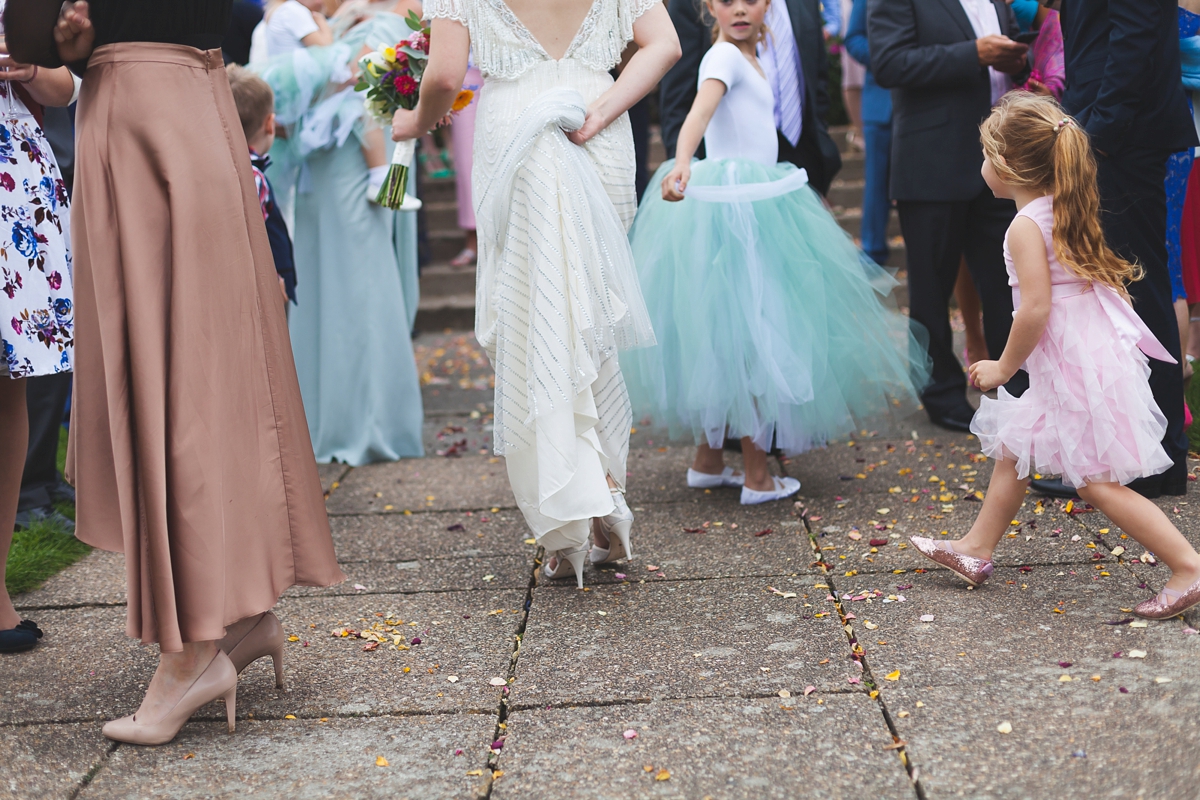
x=502, y=709
x=413, y=512
x=337, y=482
x=91, y=773
x=859, y=655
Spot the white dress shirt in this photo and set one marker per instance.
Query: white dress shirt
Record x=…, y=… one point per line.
x=986, y=22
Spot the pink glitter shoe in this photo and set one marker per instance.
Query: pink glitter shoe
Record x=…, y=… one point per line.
x=1169, y=603
x=972, y=570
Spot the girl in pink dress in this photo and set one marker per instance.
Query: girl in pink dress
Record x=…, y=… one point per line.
x=1088, y=413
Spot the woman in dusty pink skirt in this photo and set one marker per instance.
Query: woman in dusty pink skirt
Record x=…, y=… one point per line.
x=189, y=449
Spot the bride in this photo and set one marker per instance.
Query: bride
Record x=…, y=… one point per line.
x=557, y=293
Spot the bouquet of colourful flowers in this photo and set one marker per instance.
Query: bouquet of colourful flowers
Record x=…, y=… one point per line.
x=391, y=77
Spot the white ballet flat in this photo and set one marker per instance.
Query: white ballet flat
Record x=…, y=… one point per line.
x=784, y=487
x=575, y=558
x=616, y=526
x=703, y=480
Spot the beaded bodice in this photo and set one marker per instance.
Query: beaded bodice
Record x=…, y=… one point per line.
x=504, y=49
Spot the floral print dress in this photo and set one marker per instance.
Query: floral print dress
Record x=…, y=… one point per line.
x=37, y=315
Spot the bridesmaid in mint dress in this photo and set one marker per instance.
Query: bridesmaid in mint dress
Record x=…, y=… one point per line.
x=356, y=267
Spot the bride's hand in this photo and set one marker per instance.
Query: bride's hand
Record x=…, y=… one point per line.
x=74, y=33
x=676, y=182
x=593, y=123
x=404, y=125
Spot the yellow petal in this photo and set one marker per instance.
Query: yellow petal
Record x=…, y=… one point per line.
x=894, y=675
x=381, y=762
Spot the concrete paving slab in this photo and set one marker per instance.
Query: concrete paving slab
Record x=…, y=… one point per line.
x=437, y=484
x=1040, y=538
x=329, y=676
x=47, y=761
x=331, y=474
x=710, y=748
x=426, y=575
x=84, y=668
x=308, y=759
x=872, y=465
x=401, y=537
x=326, y=676
x=1094, y=742
x=696, y=540
x=96, y=579
x=1010, y=631
x=675, y=639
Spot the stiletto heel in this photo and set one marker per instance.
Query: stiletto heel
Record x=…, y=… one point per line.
x=573, y=557
x=231, y=707
x=265, y=638
x=616, y=527
x=277, y=658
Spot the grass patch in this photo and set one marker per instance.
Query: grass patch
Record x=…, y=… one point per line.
x=45, y=548
x=39, y=551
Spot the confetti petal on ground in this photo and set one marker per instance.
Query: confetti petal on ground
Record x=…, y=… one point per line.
x=630, y=734
x=894, y=675
x=381, y=762
x=498, y=682
x=662, y=775
x=927, y=618
x=1137, y=653
x=1004, y=727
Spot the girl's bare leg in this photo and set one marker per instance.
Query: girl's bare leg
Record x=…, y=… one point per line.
x=972, y=312
x=758, y=475
x=14, y=441
x=1149, y=527
x=1005, y=494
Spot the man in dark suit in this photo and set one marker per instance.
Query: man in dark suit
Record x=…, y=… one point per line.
x=1123, y=85
x=947, y=62
x=806, y=142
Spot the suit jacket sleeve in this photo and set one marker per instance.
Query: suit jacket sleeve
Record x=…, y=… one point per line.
x=1130, y=65
x=856, y=34
x=678, y=87
x=897, y=60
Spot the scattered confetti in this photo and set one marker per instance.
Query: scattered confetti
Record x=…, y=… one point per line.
x=809, y=690
x=927, y=618
x=662, y=775
x=1137, y=653
x=498, y=682
x=452, y=679
x=894, y=675
x=381, y=761
x=1004, y=727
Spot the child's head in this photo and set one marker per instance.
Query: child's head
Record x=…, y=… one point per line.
x=1030, y=144
x=738, y=20
x=255, y=106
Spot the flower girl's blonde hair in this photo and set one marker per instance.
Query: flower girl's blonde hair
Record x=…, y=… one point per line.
x=1031, y=142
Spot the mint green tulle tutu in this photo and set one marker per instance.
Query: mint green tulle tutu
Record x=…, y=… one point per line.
x=770, y=322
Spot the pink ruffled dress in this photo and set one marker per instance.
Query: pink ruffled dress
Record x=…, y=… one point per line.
x=1088, y=413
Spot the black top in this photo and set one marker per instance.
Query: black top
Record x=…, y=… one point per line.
x=195, y=23
x=246, y=15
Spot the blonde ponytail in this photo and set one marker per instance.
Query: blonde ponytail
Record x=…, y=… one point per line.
x=1031, y=142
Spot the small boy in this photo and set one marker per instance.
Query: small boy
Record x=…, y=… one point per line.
x=255, y=106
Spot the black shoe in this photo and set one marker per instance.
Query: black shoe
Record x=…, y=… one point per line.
x=21, y=638
x=958, y=420
x=1053, y=487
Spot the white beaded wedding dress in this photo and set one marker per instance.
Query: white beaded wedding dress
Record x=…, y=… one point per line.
x=557, y=293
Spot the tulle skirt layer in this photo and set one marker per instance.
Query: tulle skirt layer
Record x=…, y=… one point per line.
x=1088, y=414
x=770, y=322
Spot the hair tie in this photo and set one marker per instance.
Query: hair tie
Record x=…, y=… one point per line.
x=1062, y=123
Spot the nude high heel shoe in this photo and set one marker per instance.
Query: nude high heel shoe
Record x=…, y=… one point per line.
x=219, y=679
x=616, y=527
x=266, y=638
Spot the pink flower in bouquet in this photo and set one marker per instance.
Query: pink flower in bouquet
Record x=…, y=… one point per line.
x=401, y=58
x=405, y=85
x=419, y=41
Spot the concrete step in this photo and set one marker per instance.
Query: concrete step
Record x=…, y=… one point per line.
x=443, y=214
x=445, y=244
x=447, y=312
x=847, y=194
x=437, y=190
x=443, y=280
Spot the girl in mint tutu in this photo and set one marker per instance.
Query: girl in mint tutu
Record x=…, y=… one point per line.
x=1088, y=413
x=771, y=324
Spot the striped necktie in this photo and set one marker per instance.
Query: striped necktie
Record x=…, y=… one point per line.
x=787, y=80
